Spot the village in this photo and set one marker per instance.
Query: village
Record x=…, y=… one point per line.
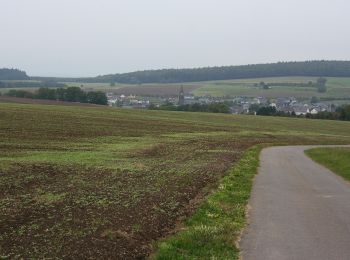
x=237, y=104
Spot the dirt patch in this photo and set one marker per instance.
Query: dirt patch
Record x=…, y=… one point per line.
x=6, y=99
x=50, y=210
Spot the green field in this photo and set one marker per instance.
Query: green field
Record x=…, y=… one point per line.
x=335, y=159
x=337, y=88
x=97, y=182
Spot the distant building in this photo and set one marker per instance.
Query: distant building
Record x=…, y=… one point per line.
x=181, y=96
x=246, y=107
x=313, y=111
x=237, y=109
x=301, y=110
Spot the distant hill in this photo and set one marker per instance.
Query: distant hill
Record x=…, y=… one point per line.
x=280, y=69
x=13, y=74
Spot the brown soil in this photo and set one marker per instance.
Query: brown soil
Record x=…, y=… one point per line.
x=6, y=99
x=144, y=90
x=94, y=213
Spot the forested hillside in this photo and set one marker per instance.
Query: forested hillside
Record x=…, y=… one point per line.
x=280, y=69
x=307, y=68
x=12, y=74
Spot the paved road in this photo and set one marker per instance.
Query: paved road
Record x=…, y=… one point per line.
x=299, y=210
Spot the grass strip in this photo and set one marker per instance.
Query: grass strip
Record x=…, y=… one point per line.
x=212, y=232
x=335, y=159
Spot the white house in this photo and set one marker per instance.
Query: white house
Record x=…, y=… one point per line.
x=313, y=111
x=301, y=110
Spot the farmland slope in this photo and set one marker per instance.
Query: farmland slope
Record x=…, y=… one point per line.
x=95, y=182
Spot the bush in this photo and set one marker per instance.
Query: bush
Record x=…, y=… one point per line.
x=266, y=111
x=196, y=107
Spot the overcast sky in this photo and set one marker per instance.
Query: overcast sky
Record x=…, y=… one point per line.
x=92, y=37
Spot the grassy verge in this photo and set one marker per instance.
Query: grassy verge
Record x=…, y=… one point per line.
x=212, y=231
x=335, y=159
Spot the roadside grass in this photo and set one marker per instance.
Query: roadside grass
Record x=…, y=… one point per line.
x=335, y=159
x=213, y=230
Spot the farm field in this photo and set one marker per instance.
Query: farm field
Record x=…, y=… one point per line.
x=6, y=99
x=336, y=88
x=97, y=182
x=335, y=159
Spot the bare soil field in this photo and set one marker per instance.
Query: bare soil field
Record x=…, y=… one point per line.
x=157, y=90
x=93, y=182
x=6, y=99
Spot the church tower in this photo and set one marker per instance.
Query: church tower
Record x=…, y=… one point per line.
x=181, y=96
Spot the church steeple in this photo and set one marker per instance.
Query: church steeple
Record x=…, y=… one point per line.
x=181, y=96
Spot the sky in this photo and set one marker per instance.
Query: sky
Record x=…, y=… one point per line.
x=78, y=38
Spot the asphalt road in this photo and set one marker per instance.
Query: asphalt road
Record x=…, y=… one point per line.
x=298, y=210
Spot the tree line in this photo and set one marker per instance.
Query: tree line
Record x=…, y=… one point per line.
x=13, y=74
x=341, y=113
x=70, y=94
x=196, y=107
x=280, y=69
x=320, y=84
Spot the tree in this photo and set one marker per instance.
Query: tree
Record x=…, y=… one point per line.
x=12, y=74
x=345, y=113
x=46, y=93
x=321, y=81
x=71, y=94
x=218, y=108
x=314, y=100
x=97, y=97
x=321, y=85
x=152, y=106
x=254, y=108
x=267, y=111
x=263, y=85
x=61, y=94
x=196, y=107
x=75, y=94
x=322, y=88
x=20, y=93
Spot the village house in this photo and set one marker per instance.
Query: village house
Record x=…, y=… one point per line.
x=301, y=109
x=313, y=111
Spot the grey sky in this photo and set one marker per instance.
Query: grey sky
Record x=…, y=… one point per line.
x=91, y=37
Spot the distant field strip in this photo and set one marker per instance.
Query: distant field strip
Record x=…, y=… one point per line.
x=337, y=87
